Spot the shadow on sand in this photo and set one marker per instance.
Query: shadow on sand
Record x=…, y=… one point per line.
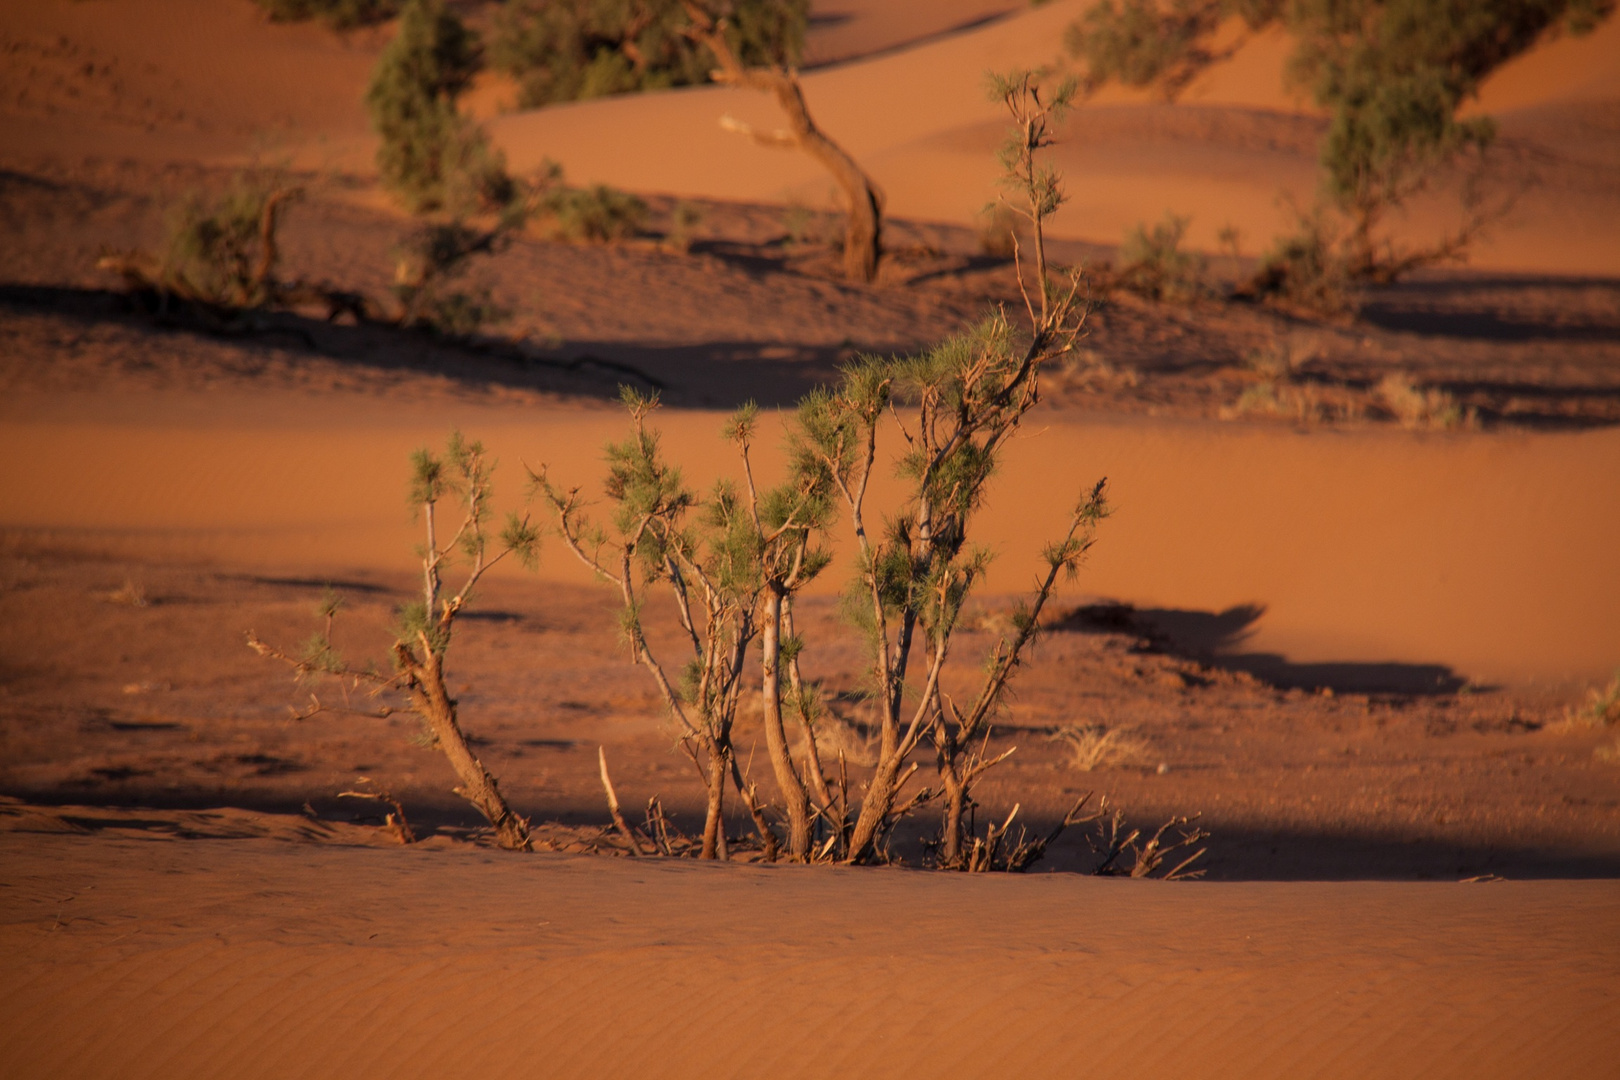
x=1215, y=639
x=1235, y=853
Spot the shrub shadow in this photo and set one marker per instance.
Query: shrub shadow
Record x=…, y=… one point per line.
x=1215, y=639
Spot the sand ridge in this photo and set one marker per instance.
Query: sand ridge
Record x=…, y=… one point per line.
x=478, y=963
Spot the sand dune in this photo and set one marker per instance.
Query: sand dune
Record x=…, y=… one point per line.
x=131, y=959
x=919, y=121
x=1490, y=553
x=172, y=80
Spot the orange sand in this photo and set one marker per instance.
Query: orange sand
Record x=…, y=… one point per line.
x=1491, y=553
x=135, y=959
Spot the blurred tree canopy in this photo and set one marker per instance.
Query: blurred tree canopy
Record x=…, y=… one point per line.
x=1391, y=74
x=568, y=50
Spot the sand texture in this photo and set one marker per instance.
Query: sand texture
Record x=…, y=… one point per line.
x=1359, y=647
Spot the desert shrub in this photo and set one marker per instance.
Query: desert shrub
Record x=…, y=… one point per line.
x=223, y=250
x=338, y=14
x=1001, y=231
x=424, y=628
x=723, y=559
x=1600, y=709
x=735, y=560
x=429, y=273
x=1392, y=75
x=431, y=156
x=1306, y=269
x=1153, y=264
x=596, y=213
x=1094, y=746
x=567, y=50
x=1427, y=408
x=684, y=218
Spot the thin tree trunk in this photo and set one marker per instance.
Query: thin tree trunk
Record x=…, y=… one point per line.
x=433, y=703
x=955, y=792
x=863, y=227
x=788, y=781
x=714, y=825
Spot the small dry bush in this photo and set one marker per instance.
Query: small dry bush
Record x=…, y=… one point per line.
x=596, y=214
x=429, y=274
x=1153, y=264
x=1600, y=709
x=1608, y=753
x=222, y=250
x=684, y=218
x=1094, y=746
x=1423, y=408
x=1304, y=269
x=1282, y=391
x=338, y=14
x=1002, y=232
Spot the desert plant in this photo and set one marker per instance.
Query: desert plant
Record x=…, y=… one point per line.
x=684, y=218
x=1393, y=76
x=1001, y=231
x=713, y=574
x=863, y=200
x=1306, y=268
x=1094, y=746
x=431, y=156
x=596, y=214
x=964, y=399
x=1601, y=707
x=338, y=14
x=424, y=628
x=224, y=250
x=1153, y=264
x=429, y=266
x=1428, y=408
x=565, y=50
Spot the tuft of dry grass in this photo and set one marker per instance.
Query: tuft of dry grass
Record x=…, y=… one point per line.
x=1424, y=408
x=1094, y=746
x=1608, y=753
x=835, y=737
x=1601, y=708
x=130, y=594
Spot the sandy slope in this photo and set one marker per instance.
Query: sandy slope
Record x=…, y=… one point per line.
x=131, y=959
x=1490, y=553
x=193, y=79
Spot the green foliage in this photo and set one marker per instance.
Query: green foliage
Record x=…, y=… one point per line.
x=1307, y=269
x=684, y=219
x=1391, y=74
x=430, y=267
x=338, y=14
x=568, y=50
x=431, y=156
x=214, y=249
x=595, y=214
x=1141, y=42
x=1153, y=264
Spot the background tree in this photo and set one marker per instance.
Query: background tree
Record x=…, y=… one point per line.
x=863, y=201
x=1392, y=76
x=432, y=156
x=566, y=50
x=338, y=14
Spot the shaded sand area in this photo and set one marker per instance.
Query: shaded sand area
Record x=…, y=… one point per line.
x=1489, y=554
x=129, y=958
